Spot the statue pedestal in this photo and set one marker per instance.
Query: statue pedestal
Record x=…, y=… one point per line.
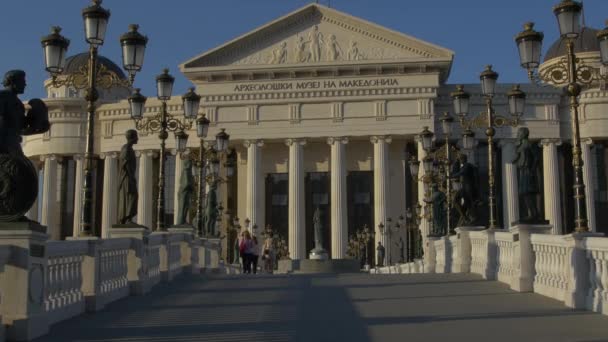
x=318, y=254
x=24, y=259
x=182, y=228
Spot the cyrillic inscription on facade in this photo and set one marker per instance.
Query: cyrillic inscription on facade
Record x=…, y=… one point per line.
x=307, y=85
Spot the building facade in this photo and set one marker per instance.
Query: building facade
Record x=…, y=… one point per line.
x=323, y=110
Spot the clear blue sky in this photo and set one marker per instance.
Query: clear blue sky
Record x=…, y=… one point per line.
x=480, y=32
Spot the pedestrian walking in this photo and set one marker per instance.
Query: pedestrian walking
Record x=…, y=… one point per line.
x=245, y=250
x=268, y=254
x=255, y=254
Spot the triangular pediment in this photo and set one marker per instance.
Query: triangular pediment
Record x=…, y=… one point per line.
x=316, y=35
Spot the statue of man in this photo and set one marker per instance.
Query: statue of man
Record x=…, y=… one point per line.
x=211, y=212
x=401, y=246
x=465, y=200
x=185, y=190
x=438, y=199
x=380, y=252
x=18, y=177
x=127, y=186
x=318, y=226
x=527, y=159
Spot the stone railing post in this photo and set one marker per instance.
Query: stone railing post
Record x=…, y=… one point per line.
x=579, y=282
x=136, y=260
x=523, y=255
x=462, y=264
x=430, y=255
x=443, y=255
x=23, y=279
x=90, y=276
x=186, y=249
x=163, y=252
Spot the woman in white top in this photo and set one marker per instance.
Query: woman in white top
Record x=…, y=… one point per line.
x=268, y=255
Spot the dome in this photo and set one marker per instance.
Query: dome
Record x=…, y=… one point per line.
x=73, y=64
x=585, y=42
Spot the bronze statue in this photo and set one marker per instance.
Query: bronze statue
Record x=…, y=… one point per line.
x=527, y=161
x=186, y=188
x=211, y=212
x=318, y=228
x=127, y=186
x=380, y=252
x=438, y=199
x=466, y=199
x=401, y=246
x=18, y=177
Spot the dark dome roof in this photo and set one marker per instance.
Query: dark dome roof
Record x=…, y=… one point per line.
x=585, y=42
x=73, y=63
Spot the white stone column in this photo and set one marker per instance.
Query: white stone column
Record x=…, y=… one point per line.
x=510, y=191
x=49, y=197
x=589, y=179
x=381, y=189
x=424, y=224
x=145, y=188
x=297, y=208
x=339, y=218
x=32, y=214
x=255, y=184
x=110, y=193
x=552, y=195
x=179, y=163
x=79, y=171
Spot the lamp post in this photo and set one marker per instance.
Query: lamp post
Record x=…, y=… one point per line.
x=571, y=74
x=211, y=154
x=163, y=123
x=437, y=171
x=413, y=236
x=490, y=121
x=55, y=47
x=364, y=237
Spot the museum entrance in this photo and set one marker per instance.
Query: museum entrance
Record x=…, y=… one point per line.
x=277, y=204
x=318, y=196
x=360, y=194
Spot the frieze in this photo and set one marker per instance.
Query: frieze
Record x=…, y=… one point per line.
x=319, y=93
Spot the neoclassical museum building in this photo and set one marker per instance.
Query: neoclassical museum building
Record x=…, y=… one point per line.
x=323, y=111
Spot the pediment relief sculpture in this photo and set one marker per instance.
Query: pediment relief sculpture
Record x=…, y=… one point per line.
x=317, y=34
x=316, y=46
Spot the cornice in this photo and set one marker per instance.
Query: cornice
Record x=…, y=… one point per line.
x=260, y=96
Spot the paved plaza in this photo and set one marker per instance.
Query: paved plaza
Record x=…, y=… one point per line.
x=348, y=307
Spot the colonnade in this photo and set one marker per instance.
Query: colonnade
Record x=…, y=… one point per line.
x=48, y=202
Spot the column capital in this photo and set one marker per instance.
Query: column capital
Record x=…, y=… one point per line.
x=52, y=157
x=586, y=141
x=296, y=141
x=147, y=153
x=78, y=157
x=253, y=142
x=381, y=138
x=553, y=141
x=332, y=140
x=111, y=155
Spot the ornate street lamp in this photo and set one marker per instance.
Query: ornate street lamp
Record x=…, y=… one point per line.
x=55, y=48
x=490, y=121
x=162, y=122
x=437, y=170
x=570, y=74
